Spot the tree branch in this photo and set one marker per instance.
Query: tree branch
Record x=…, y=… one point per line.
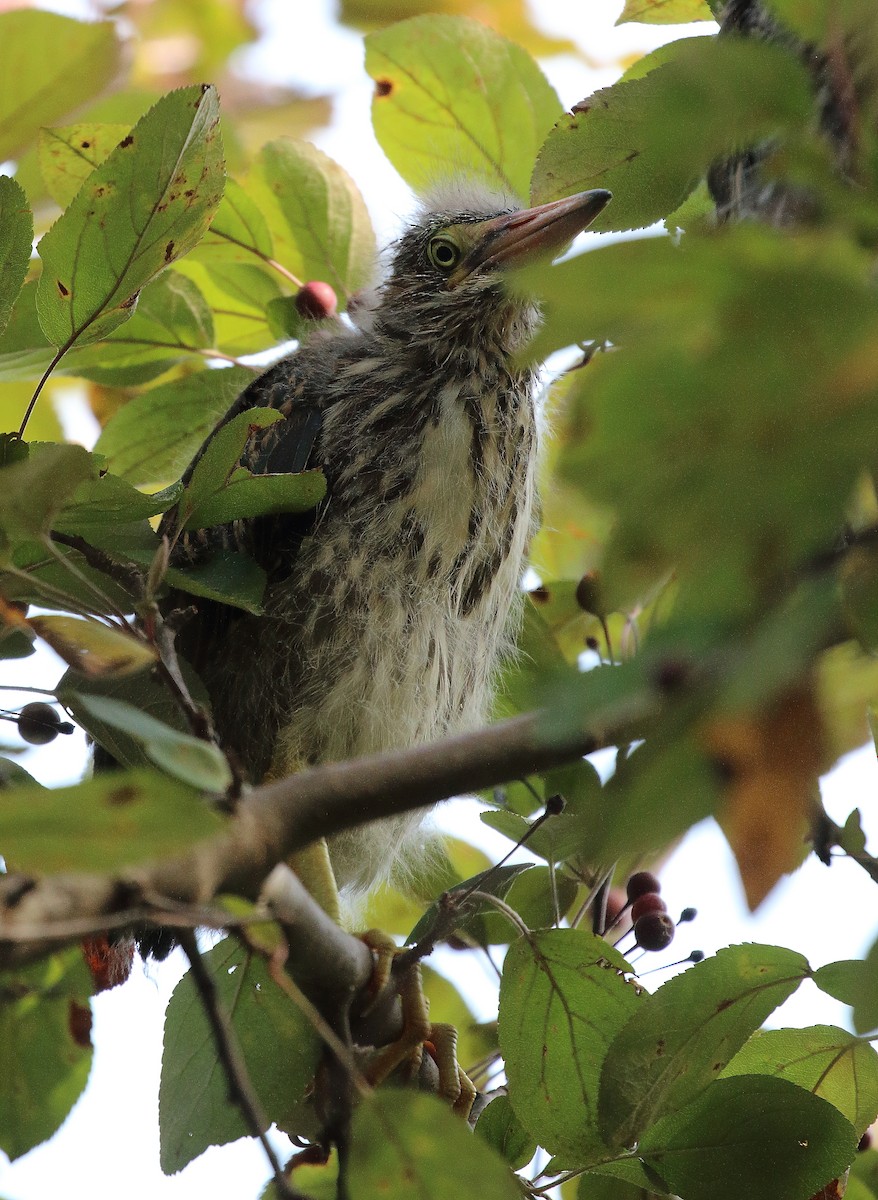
x=278, y=818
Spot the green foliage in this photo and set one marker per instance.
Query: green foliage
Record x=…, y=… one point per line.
x=45, y=1048
x=117, y=234
x=713, y=460
x=106, y=822
x=452, y=97
x=194, y=1111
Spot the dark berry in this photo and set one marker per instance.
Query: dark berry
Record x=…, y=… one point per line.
x=647, y=903
x=654, y=931
x=865, y=1142
x=316, y=301
x=642, y=882
x=588, y=594
x=592, y=643
x=38, y=723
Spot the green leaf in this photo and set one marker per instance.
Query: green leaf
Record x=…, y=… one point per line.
x=681, y=1038
x=742, y=1136
x=735, y=472
x=33, y=491
x=502, y=1130
x=25, y=352
x=238, y=231
x=188, y=758
x=144, y=691
x=854, y=982
x=227, y=576
x=825, y=1060
x=45, y=1047
x=53, y=65
x=68, y=155
x=665, y=12
x=319, y=220
x=110, y=500
x=404, y=1145
x=16, y=236
x=260, y=496
x=222, y=455
x=454, y=98
x=107, y=822
x=194, y=1107
x=649, y=140
x=496, y=881
x=172, y=320
x=153, y=438
x=144, y=207
x=563, y=998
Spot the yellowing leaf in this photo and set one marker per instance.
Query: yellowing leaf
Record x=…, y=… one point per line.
x=773, y=761
x=453, y=97
x=92, y=648
x=665, y=12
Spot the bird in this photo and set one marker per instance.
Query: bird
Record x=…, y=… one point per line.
x=389, y=608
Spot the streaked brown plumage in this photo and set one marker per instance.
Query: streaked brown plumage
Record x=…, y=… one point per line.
x=388, y=610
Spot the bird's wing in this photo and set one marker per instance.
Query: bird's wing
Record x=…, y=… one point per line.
x=288, y=446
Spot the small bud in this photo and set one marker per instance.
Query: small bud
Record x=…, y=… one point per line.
x=696, y=956
x=588, y=594
x=688, y=914
x=555, y=805
x=316, y=301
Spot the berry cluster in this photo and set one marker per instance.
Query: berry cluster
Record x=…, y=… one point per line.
x=654, y=929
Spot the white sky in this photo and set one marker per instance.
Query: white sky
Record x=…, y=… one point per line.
x=109, y=1145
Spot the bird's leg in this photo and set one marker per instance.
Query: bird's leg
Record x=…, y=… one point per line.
x=312, y=865
x=418, y=1032
x=314, y=868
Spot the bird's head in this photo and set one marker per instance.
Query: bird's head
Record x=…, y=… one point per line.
x=445, y=283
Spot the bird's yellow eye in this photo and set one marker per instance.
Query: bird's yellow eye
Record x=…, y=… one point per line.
x=443, y=253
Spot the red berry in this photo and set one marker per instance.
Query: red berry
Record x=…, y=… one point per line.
x=865, y=1142
x=38, y=723
x=647, y=903
x=642, y=882
x=654, y=931
x=316, y=301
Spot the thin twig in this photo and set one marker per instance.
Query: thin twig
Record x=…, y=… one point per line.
x=241, y=1090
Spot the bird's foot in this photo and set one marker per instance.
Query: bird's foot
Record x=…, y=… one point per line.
x=419, y=1034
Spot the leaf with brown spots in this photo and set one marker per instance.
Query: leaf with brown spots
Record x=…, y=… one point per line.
x=162, y=184
x=69, y=153
x=104, y=823
x=772, y=762
x=681, y=1038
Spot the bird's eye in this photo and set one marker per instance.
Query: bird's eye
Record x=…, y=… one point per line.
x=443, y=253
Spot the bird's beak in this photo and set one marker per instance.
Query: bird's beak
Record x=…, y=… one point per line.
x=538, y=232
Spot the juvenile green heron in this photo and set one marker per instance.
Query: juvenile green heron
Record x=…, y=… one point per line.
x=389, y=608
